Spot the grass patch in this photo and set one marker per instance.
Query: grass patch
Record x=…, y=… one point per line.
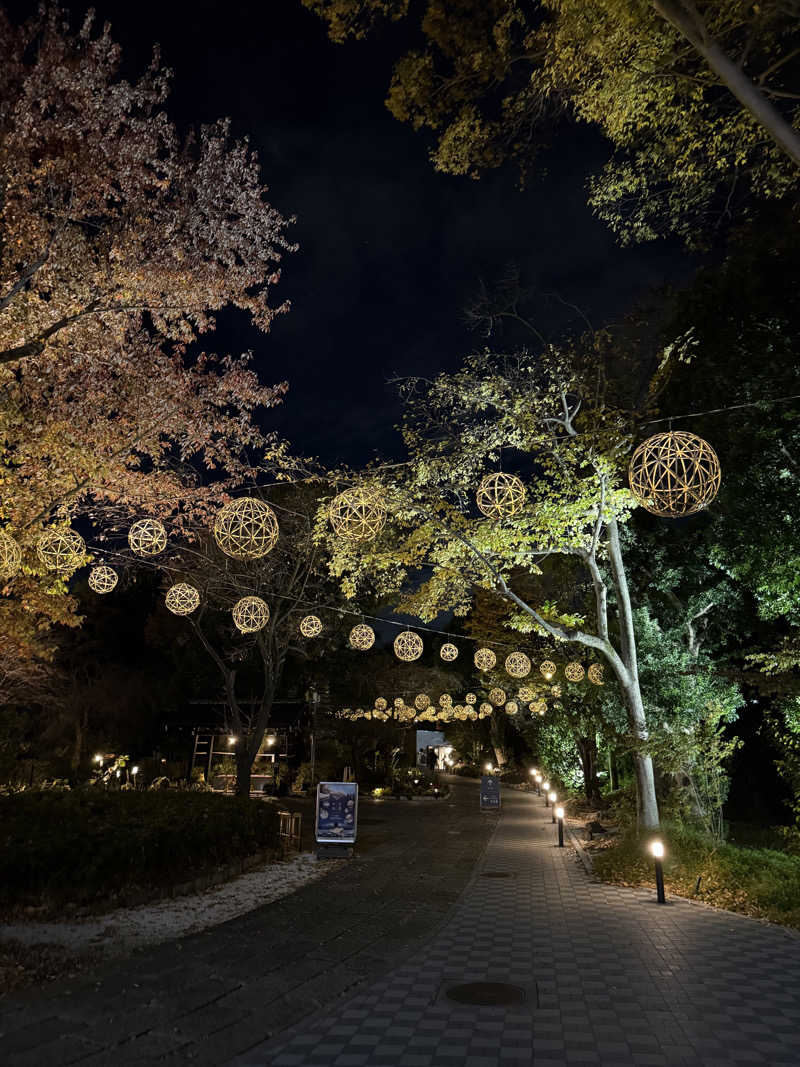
x=93, y=849
x=760, y=882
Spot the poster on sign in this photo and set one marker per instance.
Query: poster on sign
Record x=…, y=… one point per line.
x=490, y=791
x=337, y=812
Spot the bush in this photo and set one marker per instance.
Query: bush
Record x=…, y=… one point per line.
x=467, y=770
x=92, y=846
x=761, y=882
x=418, y=783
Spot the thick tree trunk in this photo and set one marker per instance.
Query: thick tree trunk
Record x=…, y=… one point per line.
x=642, y=763
x=587, y=751
x=687, y=21
x=244, y=769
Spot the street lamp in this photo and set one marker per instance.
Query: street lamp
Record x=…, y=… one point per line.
x=546, y=787
x=657, y=851
x=553, y=799
x=560, y=817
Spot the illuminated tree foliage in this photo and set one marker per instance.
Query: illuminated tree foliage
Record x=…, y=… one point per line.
x=698, y=100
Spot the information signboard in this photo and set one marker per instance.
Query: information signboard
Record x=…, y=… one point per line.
x=490, y=791
x=337, y=812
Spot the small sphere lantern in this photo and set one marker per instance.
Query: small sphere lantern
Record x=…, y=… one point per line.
x=10, y=556
x=484, y=710
x=311, y=626
x=246, y=528
x=674, y=474
x=497, y=697
x=357, y=514
x=408, y=646
x=512, y=707
x=525, y=694
x=500, y=495
x=518, y=665
x=61, y=550
x=103, y=579
x=362, y=637
x=573, y=672
x=250, y=614
x=147, y=537
x=595, y=674
x=448, y=652
x=485, y=659
x=381, y=704
x=182, y=599
x=548, y=669
x=422, y=701
x=445, y=700
x=470, y=698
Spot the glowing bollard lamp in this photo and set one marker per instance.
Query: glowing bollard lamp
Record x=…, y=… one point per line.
x=553, y=799
x=538, y=779
x=657, y=850
x=560, y=818
x=546, y=788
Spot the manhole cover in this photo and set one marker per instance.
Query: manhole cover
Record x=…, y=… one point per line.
x=496, y=874
x=486, y=994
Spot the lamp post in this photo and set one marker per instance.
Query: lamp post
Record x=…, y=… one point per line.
x=560, y=817
x=538, y=784
x=657, y=850
x=553, y=799
x=533, y=773
x=546, y=787
x=134, y=772
x=312, y=696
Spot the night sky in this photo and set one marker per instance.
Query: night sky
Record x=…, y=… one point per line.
x=390, y=251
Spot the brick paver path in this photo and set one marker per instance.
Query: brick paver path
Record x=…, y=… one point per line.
x=610, y=977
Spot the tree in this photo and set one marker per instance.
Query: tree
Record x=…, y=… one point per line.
x=698, y=100
x=545, y=417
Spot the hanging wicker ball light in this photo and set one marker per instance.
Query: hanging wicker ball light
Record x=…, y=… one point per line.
x=246, y=528
x=311, y=626
x=381, y=704
x=362, y=637
x=470, y=698
x=10, y=556
x=446, y=714
x=573, y=672
x=500, y=495
x=103, y=579
x=595, y=673
x=460, y=712
x=182, y=599
x=556, y=690
x=497, y=697
x=512, y=707
x=548, y=669
x=357, y=514
x=445, y=700
x=538, y=707
x=398, y=702
x=61, y=550
x=675, y=473
x=250, y=614
x=408, y=646
x=484, y=710
x=518, y=665
x=147, y=537
x=525, y=694
x=448, y=652
x=422, y=701
x=485, y=659
x=471, y=714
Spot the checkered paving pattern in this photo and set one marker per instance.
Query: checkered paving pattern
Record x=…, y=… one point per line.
x=610, y=977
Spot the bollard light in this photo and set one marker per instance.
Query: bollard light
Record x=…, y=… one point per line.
x=553, y=799
x=538, y=784
x=546, y=787
x=98, y=759
x=134, y=771
x=488, y=768
x=657, y=851
x=232, y=739
x=560, y=816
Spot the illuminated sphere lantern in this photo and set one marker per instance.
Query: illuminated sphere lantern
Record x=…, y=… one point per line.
x=422, y=701
x=470, y=698
x=448, y=652
x=10, y=556
x=311, y=626
x=500, y=495
x=250, y=614
x=485, y=659
x=484, y=710
x=445, y=700
x=573, y=672
x=556, y=690
x=357, y=514
x=182, y=599
x=471, y=714
x=446, y=714
x=408, y=646
x=595, y=674
x=497, y=697
x=147, y=537
x=381, y=704
x=399, y=703
x=380, y=714
x=538, y=707
x=103, y=579
x=362, y=637
x=246, y=528
x=674, y=474
x=525, y=694
x=61, y=550
x=518, y=665
x=512, y=707
x=548, y=669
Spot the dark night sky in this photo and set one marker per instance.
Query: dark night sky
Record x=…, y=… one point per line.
x=390, y=251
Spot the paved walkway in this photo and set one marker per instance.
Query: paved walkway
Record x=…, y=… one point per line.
x=610, y=977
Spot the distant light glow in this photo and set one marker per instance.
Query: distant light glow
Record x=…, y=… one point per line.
x=657, y=848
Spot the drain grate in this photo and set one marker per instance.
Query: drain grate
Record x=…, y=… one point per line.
x=486, y=994
x=496, y=874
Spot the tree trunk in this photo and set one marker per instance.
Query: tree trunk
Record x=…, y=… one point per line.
x=244, y=769
x=749, y=95
x=587, y=751
x=642, y=763
x=81, y=726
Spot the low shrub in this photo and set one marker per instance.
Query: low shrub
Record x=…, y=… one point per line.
x=755, y=881
x=467, y=770
x=92, y=846
x=418, y=783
